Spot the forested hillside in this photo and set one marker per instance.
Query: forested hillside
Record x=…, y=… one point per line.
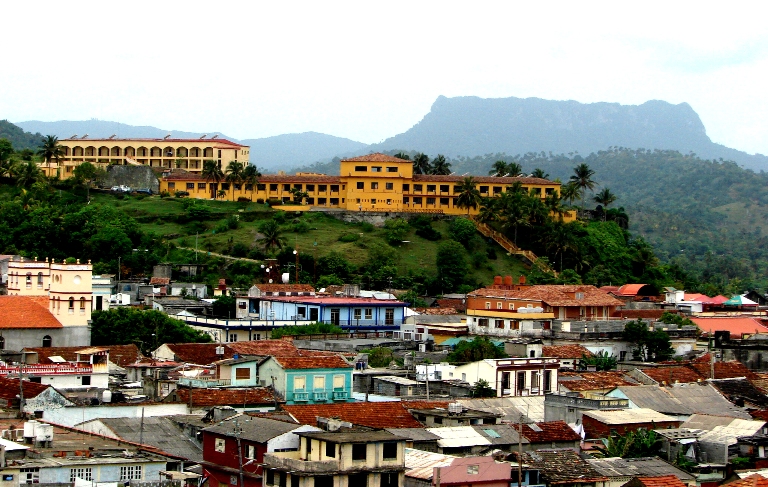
x=18, y=137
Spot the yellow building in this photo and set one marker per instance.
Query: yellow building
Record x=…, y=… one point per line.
x=187, y=154
x=374, y=182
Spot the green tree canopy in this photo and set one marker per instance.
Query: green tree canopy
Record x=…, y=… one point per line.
x=147, y=329
x=451, y=264
x=479, y=348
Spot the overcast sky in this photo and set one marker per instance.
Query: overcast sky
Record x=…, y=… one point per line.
x=370, y=70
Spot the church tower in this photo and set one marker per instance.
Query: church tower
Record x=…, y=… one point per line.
x=71, y=293
x=28, y=277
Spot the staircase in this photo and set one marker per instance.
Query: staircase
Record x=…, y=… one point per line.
x=132, y=162
x=510, y=246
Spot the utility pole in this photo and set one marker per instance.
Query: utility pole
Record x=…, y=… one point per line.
x=238, y=432
x=520, y=451
x=141, y=428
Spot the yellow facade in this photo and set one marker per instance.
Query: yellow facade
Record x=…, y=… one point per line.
x=376, y=182
x=187, y=154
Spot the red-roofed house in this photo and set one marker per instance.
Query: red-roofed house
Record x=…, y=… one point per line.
x=550, y=434
x=472, y=471
x=569, y=355
x=309, y=380
x=37, y=397
x=737, y=326
x=377, y=415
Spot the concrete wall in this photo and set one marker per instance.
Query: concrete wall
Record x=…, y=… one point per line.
x=75, y=415
x=135, y=177
x=72, y=336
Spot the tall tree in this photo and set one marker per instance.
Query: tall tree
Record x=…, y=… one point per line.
x=514, y=169
x=251, y=177
x=272, y=238
x=403, y=156
x=582, y=177
x=86, y=174
x=539, y=173
x=212, y=172
x=554, y=204
x=605, y=198
x=440, y=166
x=26, y=173
x=421, y=164
x=234, y=175
x=6, y=151
x=570, y=192
x=50, y=150
x=469, y=195
x=498, y=169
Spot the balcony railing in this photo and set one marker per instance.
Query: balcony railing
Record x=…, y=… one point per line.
x=292, y=461
x=340, y=395
x=301, y=396
x=204, y=383
x=320, y=396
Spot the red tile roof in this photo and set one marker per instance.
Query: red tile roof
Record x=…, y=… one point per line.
x=207, y=142
x=224, y=397
x=699, y=370
x=490, y=180
x=26, y=312
x=754, y=480
x=275, y=348
x=737, y=325
x=285, y=288
x=565, y=351
x=198, y=353
x=118, y=354
x=160, y=280
x=455, y=304
x=630, y=289
x=371, y=414
x=663, y=481
x=554, y=295
x=314, y=362
x=550, y=431
x=9, y=389
x=376, y=157
x=591, y=381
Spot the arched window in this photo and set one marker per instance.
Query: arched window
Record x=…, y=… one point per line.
x=82, y=304
x=47, y=341
x=29, y=279
x=71, y=304
x=39, y=279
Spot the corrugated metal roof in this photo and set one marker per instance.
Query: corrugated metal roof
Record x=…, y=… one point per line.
x=459, y=436
x=683, y=399
x=531, y=407
x=415, y=434
x=419, y=464
x=159, y=432
x=628, y=416
x=634, y=467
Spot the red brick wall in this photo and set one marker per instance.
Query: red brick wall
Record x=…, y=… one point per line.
x=596, y=429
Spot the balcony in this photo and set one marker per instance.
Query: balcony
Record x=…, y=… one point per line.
x=320, y=396
x=300, y=396
x=291, y=461
x=340, y=395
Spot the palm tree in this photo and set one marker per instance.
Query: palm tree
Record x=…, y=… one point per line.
x=605, y=198
x=539, y=173
x=212, y=172
x=251, y=176
x=582, y=177
x=469, y=195
x=559, y=241
x=421, y=164
x=498, y=169
x=403, y=156
x=234, y=175
x=26, y=173
x=440, y=166
x=271, y=238
x=554, y=204
x=514, y=169
x=489, y=210
x=570, y=192
x=50, y=150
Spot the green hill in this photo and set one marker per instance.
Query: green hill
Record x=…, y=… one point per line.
x=18, y=137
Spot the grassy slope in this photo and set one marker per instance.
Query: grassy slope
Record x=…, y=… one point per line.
x=157, y=215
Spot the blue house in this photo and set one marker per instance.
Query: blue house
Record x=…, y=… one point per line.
x=350, y=313
x=309, y=380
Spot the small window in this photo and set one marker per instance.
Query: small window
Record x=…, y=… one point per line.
x=389, y=186
x=286, y=187
x=373, y=201
x=390, y=450
x=417, y=200
x=242, y=373
x=361, y=168
x=417, y=188
x=391, y=169
x=431, y=188
x=297, y=186
x=357, y=313
x=487, y=305
x=299, y=383
x=374, y=185
x=406, y=187
x=473, y=469
x=360, y=185
x=482, y=322
x=190, y=185
x=273, y=187
x=368, y=313
x=319, y=382
x=483, y=189
x=444, y=202
x=444, y=188
x=201, y=186
x=322, y=187
x=310, y=187
x=334, y=188
x=376, y=169
x=511, y=306
x=171, y=185
x=250, y=452
x=406, y=200
x=330, y=449
x=359, y=451
x=220, y=445
x=497, y=190
x=430, y=201
x=338, y=382
x=86, y=380
x=499, y=305
x=500, y=324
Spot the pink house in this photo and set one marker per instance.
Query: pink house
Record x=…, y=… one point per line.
x=470, y=471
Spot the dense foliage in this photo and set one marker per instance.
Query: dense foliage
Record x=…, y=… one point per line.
x=19, y=138
x=479, y=348
x=147, y=329
x=634, y=444
x=654, y=346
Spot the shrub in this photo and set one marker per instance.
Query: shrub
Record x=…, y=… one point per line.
x=300, y=227
x=349, y=237
x=260, y=201
x=240, y=250
x=233, y=222
x=429, y=233
x=274, y=202
x=164, y=194
x=397, y=229
x=367, y=227
x=461, y=230
x=181, y=194
x=280, y=217
x=243, y=199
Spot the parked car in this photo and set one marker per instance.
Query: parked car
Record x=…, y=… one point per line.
x=144, y=191
x=121, y=189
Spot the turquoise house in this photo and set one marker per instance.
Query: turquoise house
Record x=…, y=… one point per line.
x=309, y=380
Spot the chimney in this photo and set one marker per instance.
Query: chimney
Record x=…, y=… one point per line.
x=508, y=281
x=521, y=280
x=497, y=281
